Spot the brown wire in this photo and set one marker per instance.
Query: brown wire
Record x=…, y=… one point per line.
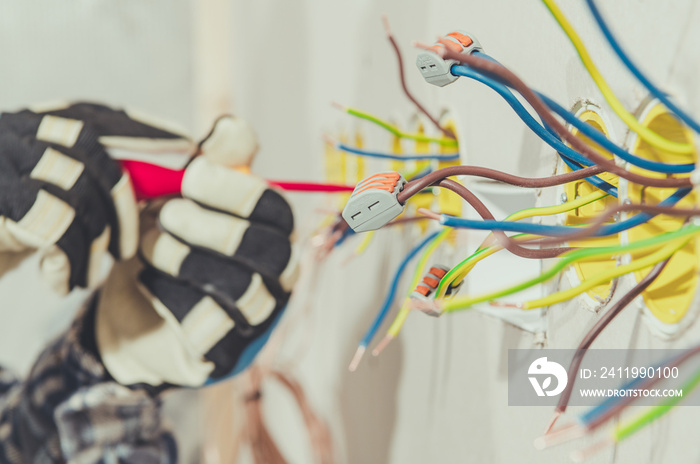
x=650, y=382
x=599, y=326
x=415, y=186
x=507, y=242
x=321, y=442
x=448, y=133
x=509, y=78
x=262, y=445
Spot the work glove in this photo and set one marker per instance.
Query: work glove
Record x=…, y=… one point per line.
x=61, y=194
x=214, y=273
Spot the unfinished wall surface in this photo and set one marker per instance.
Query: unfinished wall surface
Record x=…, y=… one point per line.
x=439, y=392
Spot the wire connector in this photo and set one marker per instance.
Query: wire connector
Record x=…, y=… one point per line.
x=435, y=69
x=430, y=282
x=373, y=203
x=426, y=288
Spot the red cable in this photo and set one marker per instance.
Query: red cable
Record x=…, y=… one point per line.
x=310, y=186
x=151, y=181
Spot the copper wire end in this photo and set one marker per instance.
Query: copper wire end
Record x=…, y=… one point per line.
x=503, y=304
x=387, y=29
x=382, y=344
x=428, y=213
x=328, y=139
x=585, y=453
x=440, y=50
x=552, y=421
x=357, y=358
x=339, y=106
x=348, y=259
x=564, y=434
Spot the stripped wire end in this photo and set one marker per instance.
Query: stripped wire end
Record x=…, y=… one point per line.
x=387, y=29
x=564, y=434
x=430, y=307
x=552, y=421
x=329, y=140
x=357, y=358
x=339, y=106
x=349, y=258
x=382, y=344
x=501, y=304
x=585, y=453
x=440, y=51
x=430, y=214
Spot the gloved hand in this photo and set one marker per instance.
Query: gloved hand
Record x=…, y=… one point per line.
x=216, y=270
x=61, y=193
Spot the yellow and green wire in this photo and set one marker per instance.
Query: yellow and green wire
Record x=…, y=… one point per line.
x=644, y=132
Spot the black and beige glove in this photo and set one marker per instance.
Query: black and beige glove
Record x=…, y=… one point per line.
x=61, y=194
x=216, y=270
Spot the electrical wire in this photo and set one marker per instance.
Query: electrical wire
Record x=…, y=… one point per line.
x=362, y=247
x=391, y=128
x=262, y=445
x=597, y=329
x=655, y=412
x=570, y=258
x=567, y=232
x=415, y=186
x=600, y=138
x=606, y=276
x=310, y=186
x=636, y=72
x=507, y=77
x=397, y=156
x=402, y=77
x=460, y=271
x=645, y=133
x=629, y=428
x=612, y=406
x=507, y=242
x=389, y=299
x=566, y=152
x=405, y=309
x=457, y=273
x=550, y=137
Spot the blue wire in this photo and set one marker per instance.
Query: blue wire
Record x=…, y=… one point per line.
x=381, y=315
x=371, y=154
x=610, y=402
x=572, y=158
x=600, y=138
x=655, y=91
x=550, y=230
x=531, y=122
x=422, y=173
x=586, y=129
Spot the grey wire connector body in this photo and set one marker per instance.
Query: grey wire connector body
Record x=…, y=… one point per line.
x=436, y=70
x=373, y=203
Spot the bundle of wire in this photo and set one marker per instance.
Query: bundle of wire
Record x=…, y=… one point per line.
x=586, y=163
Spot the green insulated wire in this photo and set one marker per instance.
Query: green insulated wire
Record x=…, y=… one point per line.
x=526, y=213
x=445, y=142
x=571, y=257
x=655, y=412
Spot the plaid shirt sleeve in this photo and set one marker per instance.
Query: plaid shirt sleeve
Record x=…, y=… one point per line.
x=70, y=411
